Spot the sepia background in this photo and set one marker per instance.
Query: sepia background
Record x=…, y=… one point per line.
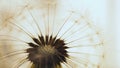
x=104, y=14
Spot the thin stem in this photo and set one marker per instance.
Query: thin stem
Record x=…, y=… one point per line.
x=30, y=35
x=35, y=22
x=65, y=21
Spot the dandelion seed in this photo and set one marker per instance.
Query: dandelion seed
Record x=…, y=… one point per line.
x=49, y=40
x=8, y=13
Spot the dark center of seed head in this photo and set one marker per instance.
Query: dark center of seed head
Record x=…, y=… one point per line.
x=48, y=51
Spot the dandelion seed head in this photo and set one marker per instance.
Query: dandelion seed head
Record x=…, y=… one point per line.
x=52, y=39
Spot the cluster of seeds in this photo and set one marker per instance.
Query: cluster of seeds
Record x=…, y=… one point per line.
x=40, y=37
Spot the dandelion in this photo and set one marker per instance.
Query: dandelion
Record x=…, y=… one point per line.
x=47, y=39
